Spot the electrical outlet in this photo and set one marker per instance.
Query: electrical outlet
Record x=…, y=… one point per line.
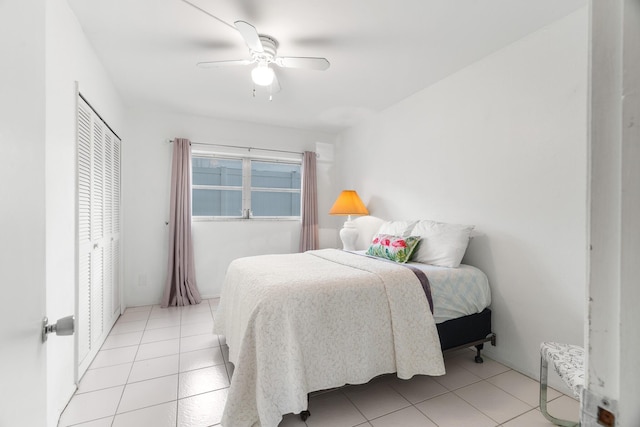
x=606, y=418
x=598, y=410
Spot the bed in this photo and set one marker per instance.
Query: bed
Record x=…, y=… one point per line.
x=300, y=323
x=462, y=297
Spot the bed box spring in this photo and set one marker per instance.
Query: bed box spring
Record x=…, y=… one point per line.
x=466, y=331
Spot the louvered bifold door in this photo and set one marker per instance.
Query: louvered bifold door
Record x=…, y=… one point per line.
x=98, y=232
x=83, y=334
x=107, y=282
x=111, y=273
x=115, y=236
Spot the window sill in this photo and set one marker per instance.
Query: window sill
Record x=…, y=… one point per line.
x=258, y=219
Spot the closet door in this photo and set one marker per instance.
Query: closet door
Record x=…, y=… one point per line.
x=98, y=202
x=97, y=234
x=115, y=232
x=111, y=273
x=107, y=273
x=83, y=318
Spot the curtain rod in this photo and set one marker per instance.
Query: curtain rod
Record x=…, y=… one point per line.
x=245, y=148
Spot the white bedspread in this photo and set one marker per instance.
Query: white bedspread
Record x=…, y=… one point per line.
x=305, y=322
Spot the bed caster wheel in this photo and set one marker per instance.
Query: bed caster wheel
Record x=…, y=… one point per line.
x=304, y=415
x=479, y=359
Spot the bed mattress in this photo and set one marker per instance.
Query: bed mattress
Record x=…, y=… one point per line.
x=456, y=292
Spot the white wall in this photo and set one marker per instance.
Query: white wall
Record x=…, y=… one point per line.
x=146, y=177
x=613, y=293
x=22, y=213
x=501, y=144
x=69, y=59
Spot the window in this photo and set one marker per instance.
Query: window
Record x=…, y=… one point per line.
x=227, y=187
x=217, y=187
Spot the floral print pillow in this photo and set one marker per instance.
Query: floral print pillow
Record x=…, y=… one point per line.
x=394, y=248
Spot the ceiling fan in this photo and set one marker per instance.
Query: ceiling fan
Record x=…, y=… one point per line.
x=263, y=50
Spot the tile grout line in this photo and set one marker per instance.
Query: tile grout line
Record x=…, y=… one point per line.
x=105, y=388
x=425, y=414
x=130, y=370
x=511, y=394
x=180, y=358
x=534, y=408
x=353, y=404
x=396, y=410
x=179, y=373
x=481, y=411
x=411, y=405
x=518, y=416
x=182, y=326
x=502, y=389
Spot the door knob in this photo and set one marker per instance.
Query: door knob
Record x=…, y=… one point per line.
x=64, y=326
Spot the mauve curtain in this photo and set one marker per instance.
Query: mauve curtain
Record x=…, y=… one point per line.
x=180, y=287
x=309, y=208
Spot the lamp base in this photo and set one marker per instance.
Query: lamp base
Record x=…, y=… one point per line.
x=349, y=235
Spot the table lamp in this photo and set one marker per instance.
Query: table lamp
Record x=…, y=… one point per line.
x=348, y=203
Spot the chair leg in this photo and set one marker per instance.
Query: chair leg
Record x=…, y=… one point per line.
x=543, y=398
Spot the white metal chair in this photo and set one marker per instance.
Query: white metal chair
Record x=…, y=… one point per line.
x=568, y=362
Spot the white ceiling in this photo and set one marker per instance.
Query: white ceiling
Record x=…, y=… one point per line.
x=381, y=51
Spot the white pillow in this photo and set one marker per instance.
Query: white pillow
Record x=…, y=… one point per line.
x=397, y=228
x=441, y=244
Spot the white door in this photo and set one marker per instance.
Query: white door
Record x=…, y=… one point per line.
x=98, y=201
x=22, y=263
x=23, y=399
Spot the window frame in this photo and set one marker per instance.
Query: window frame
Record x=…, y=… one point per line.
x=246, y=187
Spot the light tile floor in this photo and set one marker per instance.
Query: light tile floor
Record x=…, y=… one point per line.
x=164, y=367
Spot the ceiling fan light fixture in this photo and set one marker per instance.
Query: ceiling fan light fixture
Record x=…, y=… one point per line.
x=263, y=52
x=262, y=75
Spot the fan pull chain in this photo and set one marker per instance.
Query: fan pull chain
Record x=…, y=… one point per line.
x=253, y=93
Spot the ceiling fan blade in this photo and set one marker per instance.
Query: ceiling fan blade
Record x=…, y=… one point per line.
x=216, y=64
x=207, y=13
x=320, y=64
x=250, y=35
